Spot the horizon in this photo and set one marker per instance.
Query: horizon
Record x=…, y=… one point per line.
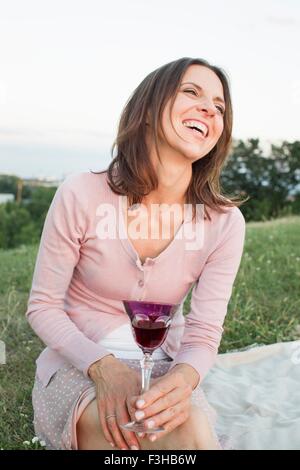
x=26, y=161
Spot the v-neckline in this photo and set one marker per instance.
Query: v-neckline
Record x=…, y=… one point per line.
x=129, y=246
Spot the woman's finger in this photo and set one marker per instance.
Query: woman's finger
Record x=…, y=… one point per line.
x=177, y=395
x=108, y=419
x=131, y=411
x=168, y=415
x=115, y=431
x=129, y=436
x=169, y=426
x=159, y=389
x=131, y=408
x=103, y=422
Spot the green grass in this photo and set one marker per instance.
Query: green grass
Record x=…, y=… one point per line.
x=264, y=308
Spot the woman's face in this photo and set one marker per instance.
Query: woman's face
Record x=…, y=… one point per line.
x=201, y=106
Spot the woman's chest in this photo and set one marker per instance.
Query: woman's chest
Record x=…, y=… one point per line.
x=151, y=234
x=109, y=266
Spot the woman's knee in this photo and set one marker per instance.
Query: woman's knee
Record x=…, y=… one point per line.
x=204, y=434
x=194, y=434
x=89, y=433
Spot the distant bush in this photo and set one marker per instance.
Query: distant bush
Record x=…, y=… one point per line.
x=38, y=205
x=272, y=182
x=13, y=219
x=9, y=184
x=22, y=223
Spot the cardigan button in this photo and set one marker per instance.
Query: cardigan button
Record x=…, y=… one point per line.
x=150, y=261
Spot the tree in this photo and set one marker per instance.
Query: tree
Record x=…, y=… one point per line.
x=268, y=181
x=13, y=219
x=39, y=204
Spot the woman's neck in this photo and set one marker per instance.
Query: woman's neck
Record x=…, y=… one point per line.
x=174, y=175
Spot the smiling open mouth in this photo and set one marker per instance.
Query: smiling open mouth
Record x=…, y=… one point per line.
x=199, y=134
x=198, y=128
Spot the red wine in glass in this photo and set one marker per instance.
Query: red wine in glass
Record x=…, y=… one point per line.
x=149, y=334
x=150, y=323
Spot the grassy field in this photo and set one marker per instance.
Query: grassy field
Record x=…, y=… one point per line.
x=264, y=308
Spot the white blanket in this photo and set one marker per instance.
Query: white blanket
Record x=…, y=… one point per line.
x=256, y=393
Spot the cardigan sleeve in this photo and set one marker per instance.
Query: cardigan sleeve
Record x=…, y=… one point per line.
x=210, y=297
x=59, y=252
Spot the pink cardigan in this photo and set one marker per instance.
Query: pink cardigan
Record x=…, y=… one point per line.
x=80, y=279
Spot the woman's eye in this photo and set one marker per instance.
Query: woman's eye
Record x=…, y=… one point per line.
x=222, y=110
x=193, y=91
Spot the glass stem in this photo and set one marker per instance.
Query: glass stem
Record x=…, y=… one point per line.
x=147, y=364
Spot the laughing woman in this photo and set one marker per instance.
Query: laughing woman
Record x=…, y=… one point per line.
x=173, y=139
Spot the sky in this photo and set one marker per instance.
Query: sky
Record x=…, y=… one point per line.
x=67, y=68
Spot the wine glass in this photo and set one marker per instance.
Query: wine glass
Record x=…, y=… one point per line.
x=150, y=322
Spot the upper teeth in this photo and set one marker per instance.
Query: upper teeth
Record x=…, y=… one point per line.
x=202, y=127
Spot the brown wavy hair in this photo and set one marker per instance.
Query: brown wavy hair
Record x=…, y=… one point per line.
x=131, y=172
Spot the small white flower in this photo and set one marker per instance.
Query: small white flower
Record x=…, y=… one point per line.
x=43, y=443
x=34, y=439
x=26, y=443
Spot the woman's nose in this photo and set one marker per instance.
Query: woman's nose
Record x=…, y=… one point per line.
x=207, y=107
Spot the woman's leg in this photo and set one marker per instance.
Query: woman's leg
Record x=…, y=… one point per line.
x=88, y=430
x=194, y=434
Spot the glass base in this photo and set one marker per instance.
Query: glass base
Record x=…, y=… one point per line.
x=136, y=426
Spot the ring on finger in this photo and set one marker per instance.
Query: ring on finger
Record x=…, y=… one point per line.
x=110, y=416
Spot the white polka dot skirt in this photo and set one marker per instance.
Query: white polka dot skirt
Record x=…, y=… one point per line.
x=58, y=406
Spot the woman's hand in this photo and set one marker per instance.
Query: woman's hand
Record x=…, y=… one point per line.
x=167, y=403
x=115, y=384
